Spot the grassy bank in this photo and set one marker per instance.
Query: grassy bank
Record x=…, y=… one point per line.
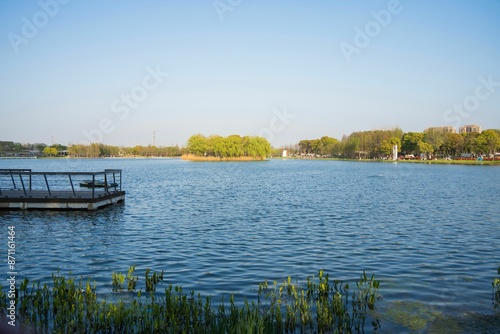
x=430, y=162
x=192, y=157
x=69, y=306
x=454, y=162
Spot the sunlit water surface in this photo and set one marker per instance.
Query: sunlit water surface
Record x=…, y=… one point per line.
x=430, y=233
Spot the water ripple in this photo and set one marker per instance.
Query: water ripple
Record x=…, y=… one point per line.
x=429, y=232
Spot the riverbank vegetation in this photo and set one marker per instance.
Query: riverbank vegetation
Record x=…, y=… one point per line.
x=192, y=157
x=70, y=306
x=377, y=144
x=96, y=150
x=91, y=150
x=234, y=146
x=374, y=144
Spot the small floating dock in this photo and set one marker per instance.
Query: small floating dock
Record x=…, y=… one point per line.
x=24, y=189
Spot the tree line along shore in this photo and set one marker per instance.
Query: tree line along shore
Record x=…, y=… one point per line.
x=374, y=144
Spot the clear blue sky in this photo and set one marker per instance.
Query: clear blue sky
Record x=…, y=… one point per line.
x=231, y=69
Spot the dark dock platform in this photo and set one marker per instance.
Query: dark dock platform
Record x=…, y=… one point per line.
x=24, y=189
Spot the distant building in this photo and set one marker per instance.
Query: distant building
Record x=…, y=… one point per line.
x=441, y=129
x=470, y=128
x=285, y=154
x=6, y=144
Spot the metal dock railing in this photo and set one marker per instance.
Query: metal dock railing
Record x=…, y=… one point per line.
x=25, y=189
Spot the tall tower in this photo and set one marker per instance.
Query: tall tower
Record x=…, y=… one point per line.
x=154, y=137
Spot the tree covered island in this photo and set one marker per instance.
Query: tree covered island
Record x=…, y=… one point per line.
x=231, y=148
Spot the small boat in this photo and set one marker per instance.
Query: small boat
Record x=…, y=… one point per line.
x=97, y=184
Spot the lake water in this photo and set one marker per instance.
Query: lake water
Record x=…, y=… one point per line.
x=430, y=233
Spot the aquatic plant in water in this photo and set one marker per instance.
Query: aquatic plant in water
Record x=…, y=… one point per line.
x=70, y=306
x=410, y=314
x=496, y=290
x=117, y=281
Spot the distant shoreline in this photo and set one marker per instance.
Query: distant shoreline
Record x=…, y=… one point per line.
x=191, y=157
x=430, y=162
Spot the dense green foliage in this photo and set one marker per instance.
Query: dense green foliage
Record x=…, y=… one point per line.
x=453, y=144
x=362, y=144
x=325, y=146
x=18, y=149
x=228, y=147
x=369, y=142
x=96, y=150
x=321, y=305
x=379, y=143
x=93, y=150
x=50, y=151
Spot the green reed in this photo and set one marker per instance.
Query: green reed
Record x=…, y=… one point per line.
x=70, y=306
x=496, y=290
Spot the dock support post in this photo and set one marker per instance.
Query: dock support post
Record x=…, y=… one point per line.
x=13, y=182
x=22, y=183
x=72, y=187
x=114, y=181
x=47, y=183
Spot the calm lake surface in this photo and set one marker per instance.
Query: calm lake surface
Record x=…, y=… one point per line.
x=430, y=233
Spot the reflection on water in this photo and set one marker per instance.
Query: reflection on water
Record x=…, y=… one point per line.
x=429, y=232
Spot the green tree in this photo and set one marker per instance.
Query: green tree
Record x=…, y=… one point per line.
x=385, y=148
x=435, y=138
x=76, y=150
x=216, y=146
x=231, y=146
x=50, y=151
x=39, y=146
x=371, y=142
x=263, y=147
x=93, y=150
x=470, y=142
x=250, y=146
x=424, y=148
x=234, y=146
x=327, y=145
x=395, y=141
x=410, y=142
x=488, y=141
x=59, y=147
x=304, y=146
x=352, y=145
x=197, y=144
x=453, y=144
x=315, y=145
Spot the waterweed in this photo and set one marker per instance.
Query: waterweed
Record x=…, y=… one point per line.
x=496, y=291
x=131, y=279
x=117, y=281
x=153, y=280
x=323, y=305
x=72, y=306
